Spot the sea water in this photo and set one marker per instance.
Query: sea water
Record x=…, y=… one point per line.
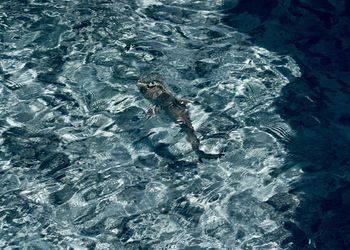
x=81, y=165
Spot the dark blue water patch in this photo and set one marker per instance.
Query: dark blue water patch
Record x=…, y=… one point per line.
x=318, y=144
x=344, y=119
x=162, y=149
x=54, y=162
x=173, y=14
x=262, y=10
x=81, y=25
x=148, y=160
x=27, y=148
x=51, y=58
x=203, y=68
x=282, y=202
x=132, y=114
x=63, y=195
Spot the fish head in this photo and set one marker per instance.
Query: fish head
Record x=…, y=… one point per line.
x=151, y=90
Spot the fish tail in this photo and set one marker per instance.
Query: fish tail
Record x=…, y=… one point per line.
x=191, y=136
x=193, y=139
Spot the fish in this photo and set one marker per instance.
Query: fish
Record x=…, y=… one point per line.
x=163, y=100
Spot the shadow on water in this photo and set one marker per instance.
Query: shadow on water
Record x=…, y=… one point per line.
x=315, y=105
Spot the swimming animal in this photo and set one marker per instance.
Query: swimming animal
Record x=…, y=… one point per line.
x=175, y=108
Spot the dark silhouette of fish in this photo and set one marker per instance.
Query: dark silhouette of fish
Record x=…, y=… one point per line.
x=175, y=108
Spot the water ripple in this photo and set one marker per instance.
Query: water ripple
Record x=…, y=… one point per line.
x=82, y=165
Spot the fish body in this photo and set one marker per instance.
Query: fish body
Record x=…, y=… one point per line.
x=175, y=108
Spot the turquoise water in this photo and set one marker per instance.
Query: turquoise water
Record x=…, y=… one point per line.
x=83, y=168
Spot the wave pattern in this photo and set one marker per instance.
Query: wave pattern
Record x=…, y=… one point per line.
x=81, y=165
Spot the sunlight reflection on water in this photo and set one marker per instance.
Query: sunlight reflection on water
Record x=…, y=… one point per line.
x=78, y=157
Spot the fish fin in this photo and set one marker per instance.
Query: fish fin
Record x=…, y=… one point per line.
x=152, y=111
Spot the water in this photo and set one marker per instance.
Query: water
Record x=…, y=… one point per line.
x=83, y=168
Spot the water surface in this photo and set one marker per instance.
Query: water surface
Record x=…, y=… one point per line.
x=81, y=165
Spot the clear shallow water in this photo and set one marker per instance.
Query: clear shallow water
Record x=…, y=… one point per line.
x=83, y=168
